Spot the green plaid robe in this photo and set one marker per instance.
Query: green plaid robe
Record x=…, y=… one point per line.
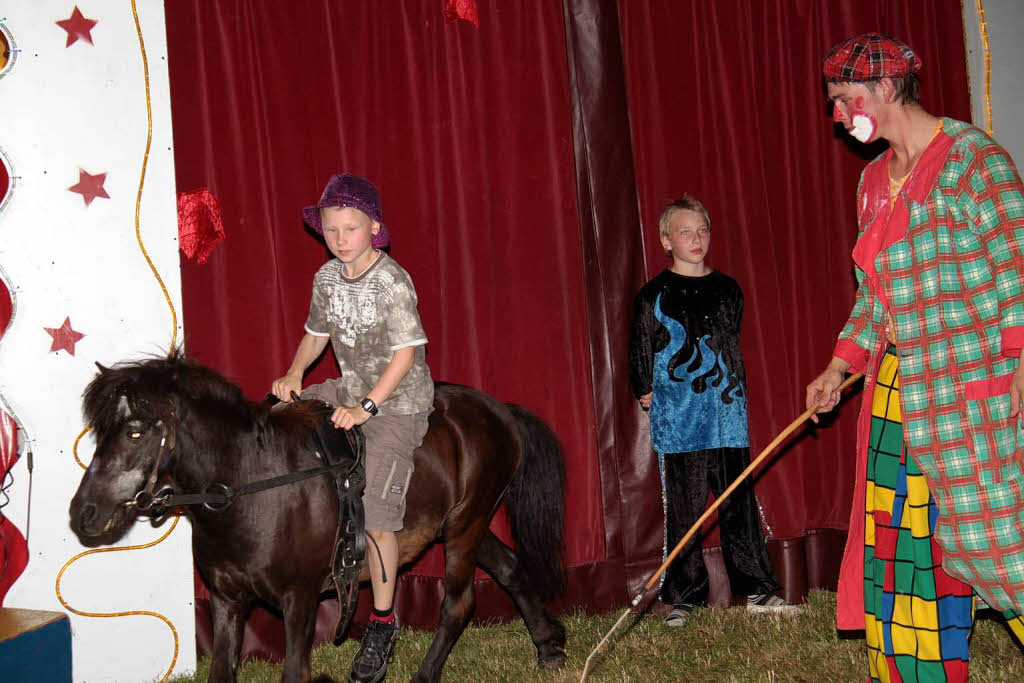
x=946, y=264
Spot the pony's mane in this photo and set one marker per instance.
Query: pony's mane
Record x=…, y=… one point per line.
x=150, y=387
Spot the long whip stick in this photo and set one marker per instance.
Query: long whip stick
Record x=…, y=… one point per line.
x=707, y=513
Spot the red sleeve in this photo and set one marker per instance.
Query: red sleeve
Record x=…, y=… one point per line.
x=853, y=354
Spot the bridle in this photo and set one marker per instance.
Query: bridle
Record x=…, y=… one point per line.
x=145, y=499
x=217, y=496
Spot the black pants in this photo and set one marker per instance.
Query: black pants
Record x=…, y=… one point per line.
x=688, y=477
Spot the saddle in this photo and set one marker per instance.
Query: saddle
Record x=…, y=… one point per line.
x=345, y=452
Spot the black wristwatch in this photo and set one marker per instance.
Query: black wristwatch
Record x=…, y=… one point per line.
x=369, y=406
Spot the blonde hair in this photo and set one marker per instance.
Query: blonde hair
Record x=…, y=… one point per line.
x=687, y=202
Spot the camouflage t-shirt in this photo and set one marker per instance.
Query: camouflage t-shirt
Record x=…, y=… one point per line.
x=368, y=318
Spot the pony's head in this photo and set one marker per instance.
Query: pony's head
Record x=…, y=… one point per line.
x=135, y=411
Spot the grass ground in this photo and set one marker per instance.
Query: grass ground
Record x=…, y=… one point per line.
x=716, y=645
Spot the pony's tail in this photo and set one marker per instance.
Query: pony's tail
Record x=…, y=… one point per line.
x=536, y=507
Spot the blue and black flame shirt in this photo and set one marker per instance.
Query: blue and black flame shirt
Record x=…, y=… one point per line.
x=685, y=348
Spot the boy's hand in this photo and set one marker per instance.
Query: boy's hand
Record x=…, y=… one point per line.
x=283, y=387
x=645, y=400
x=347, y=418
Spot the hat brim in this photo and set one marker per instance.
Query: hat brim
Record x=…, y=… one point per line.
x=311, y=214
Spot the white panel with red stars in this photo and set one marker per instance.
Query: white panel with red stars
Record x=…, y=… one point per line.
x=73, y=131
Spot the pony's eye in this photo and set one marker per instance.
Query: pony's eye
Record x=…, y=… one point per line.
x=134, y=435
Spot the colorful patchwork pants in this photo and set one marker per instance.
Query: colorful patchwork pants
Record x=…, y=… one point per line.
x=917, y=618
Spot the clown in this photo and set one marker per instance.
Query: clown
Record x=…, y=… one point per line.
x=937, y=328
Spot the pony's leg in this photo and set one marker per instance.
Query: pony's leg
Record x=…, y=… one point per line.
x=228, y=628
x=547, y=633
x=299, y=609
x=459, y=599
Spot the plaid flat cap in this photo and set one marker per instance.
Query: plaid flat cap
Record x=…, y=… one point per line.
x=868, y=57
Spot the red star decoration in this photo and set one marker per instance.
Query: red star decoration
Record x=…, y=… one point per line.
x=90, y=186
x=78, y=27
x=64, y=337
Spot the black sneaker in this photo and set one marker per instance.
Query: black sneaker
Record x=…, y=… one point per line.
x=375, y=652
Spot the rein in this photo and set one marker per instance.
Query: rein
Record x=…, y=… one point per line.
x=217, y=496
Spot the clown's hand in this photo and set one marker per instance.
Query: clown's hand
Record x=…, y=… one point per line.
x=1017, y=392
x=823, y=392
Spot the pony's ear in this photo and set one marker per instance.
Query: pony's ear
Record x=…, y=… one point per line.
x=102, y=369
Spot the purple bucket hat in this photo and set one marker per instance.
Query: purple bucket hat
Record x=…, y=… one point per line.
x=350, y=190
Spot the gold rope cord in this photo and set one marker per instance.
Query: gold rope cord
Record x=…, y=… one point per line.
x=174, y=341
x=988, y=65
x=74, y=447
x=170, y=625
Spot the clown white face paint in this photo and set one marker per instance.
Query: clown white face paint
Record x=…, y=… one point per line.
x=864, y=126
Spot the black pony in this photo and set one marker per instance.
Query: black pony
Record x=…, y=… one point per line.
x=170, y=421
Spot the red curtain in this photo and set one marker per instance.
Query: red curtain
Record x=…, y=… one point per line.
x=727, y=102
x=469, y=133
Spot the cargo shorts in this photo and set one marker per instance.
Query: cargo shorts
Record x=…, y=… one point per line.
x=390, y=443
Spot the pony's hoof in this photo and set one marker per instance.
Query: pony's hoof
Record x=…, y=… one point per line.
x=552, y=662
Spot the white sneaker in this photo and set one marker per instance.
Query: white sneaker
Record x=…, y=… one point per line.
x=679, y=615
x=770, y=602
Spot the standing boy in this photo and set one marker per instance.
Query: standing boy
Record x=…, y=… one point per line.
x=365, y=304
x=687, y=370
